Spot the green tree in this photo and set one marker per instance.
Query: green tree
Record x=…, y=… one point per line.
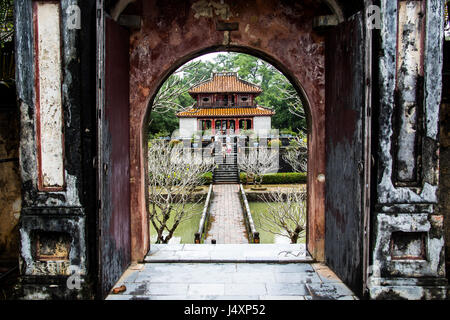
x=6, y=43
x=6, y=21
x=278, y=93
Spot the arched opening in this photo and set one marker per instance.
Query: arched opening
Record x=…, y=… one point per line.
x=315, y=205
x=167, y=39
x=260, y=90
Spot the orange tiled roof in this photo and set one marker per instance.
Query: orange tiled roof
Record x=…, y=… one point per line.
x=225, y=112
x=225, y=82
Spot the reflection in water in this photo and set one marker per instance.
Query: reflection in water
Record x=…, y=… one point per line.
x=260, y=208
x=186, y=230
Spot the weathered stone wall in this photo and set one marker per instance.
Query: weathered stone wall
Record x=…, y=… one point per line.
x=10, y=185
x=444, y=154
x=408, y=234
x=53, y=237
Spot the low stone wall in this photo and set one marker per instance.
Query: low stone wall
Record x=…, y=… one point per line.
x=253, y=234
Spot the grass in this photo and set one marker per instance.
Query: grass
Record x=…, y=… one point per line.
x=259, y=209
x=186, y=230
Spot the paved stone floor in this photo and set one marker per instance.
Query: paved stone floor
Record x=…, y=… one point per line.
x=230, y=272
x=226, y=216
x=231, y=281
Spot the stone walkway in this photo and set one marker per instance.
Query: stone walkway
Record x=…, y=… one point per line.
x=227, y=218
x=231, y=281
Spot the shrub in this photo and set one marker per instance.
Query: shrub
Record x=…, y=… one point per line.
x=279, y=178
x=208, y=178
x=174, y=142
x=288, y=132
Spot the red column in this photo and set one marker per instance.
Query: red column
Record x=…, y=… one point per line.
x=236, y=125
x=213, y=126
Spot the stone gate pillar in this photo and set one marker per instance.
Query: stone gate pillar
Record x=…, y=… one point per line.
x=49, y=88
x=407, y=228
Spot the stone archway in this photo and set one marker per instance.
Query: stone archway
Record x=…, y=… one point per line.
x=167, y=39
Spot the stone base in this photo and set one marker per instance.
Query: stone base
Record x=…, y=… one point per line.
x=408, y=289
x=52, y=288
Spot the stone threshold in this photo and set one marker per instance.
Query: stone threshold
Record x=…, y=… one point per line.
x=228, y=253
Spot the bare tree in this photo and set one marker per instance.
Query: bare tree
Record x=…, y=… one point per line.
x=292, y=99
x=258, y=162
x=174, y=174
x=166, y=99
x=286, y=213
x=296, y=153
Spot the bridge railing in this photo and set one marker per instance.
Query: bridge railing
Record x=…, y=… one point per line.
x=199, y=236
x=253, y=235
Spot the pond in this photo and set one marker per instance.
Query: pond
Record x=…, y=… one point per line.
x=258, y=209
x=186, y=230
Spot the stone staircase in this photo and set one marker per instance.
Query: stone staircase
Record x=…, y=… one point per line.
x=226, y=171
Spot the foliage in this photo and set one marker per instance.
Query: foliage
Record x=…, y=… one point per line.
x=278, y=178
x=288, y=131
x=278, y=93
x=274, y=142
x=172, y=143
x=6, y=21
x=7, y=64
x=207, y=178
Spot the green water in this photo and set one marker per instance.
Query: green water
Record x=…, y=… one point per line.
x=186, y=229
x=258, y=209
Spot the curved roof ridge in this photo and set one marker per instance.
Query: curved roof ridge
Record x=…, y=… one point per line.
x=225, y=82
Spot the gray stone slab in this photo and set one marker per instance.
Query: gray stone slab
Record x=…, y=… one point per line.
x=230, y=281
x=119, y=297
x=198, y=247
x=193, y=255
x=301, y=277
x=253, y=277
x=210, y=277
x=161, y=255
x=286, y=289
x=257, y=289
x=128, y=277
x=293, y=267
x=152, y=268
x=281, y=298
x=329, y=290
x=227, y=255
x=346, y=298
x=174, y=289
x=166, y=247
x=206, y=289
x=222, y=297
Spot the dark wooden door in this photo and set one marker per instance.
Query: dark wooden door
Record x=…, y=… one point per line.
x=113, y=153
x=345, y=151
